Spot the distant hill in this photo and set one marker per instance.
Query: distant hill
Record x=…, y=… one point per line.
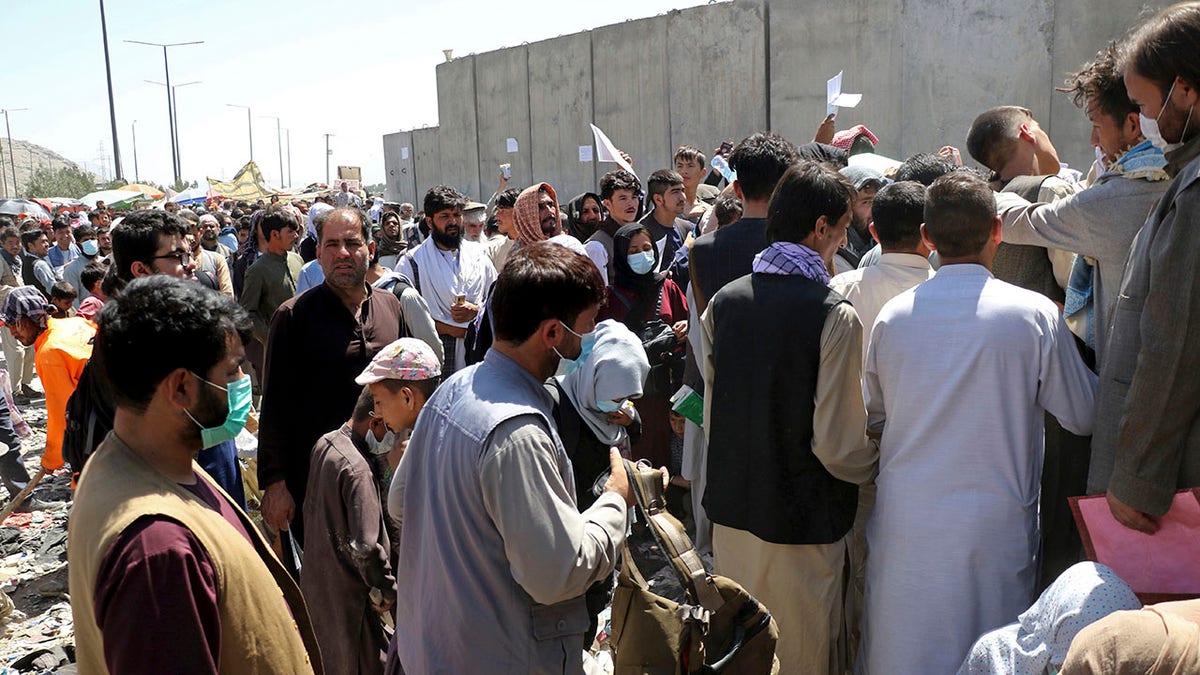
x=28, y=156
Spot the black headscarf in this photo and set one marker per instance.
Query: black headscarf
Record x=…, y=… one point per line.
x=575, y=227
x=624, y=278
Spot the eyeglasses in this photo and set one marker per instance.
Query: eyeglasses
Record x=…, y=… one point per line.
x=184, y=257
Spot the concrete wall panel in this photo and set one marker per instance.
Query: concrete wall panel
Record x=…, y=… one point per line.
x=717, y=74
x=696, y=76
x=502, y=112
x=811, y=42
x=631, y=101
x=398, y=161
x=560, y=109
x=427, y=155
x=966, y=59
x=456, y=114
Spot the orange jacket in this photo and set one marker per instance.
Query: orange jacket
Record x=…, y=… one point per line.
x=60, y=353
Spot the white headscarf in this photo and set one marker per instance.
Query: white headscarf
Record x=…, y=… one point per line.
x=1038, y=642
x=616, y=369
x=313, y=212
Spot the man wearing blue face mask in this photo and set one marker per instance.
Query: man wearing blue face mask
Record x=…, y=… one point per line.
x=160, y=555
x=1146, y=440
x=489, y=523
x=89, y=248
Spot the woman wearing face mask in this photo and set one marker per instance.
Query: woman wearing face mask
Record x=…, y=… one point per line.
x=654, y=308
x=593, y=413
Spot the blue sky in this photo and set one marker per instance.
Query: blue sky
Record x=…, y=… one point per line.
x=357, y=70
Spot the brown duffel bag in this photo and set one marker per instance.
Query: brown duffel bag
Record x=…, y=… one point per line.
x=669, y=614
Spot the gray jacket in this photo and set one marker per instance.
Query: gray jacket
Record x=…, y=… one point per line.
x=1146, y=441
x=494, y=554
x=1099, y=222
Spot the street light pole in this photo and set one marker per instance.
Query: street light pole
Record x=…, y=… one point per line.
x=249, y=126
x=136, y=177
x=112, y=108
x=289, y=144
x=279, y=142
x=175, y=123
x=170, y=95
x=12, y=160
x=328, y=152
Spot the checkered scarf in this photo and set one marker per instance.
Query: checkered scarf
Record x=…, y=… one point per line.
x=525, y=212
x=785, y=257
x=26, y=301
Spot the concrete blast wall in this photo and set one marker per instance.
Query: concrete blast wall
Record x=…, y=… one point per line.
x=701, y=75
x=399, y=166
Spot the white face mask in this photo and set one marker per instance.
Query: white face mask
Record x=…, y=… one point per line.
x=1151, y=131
x=379, y=447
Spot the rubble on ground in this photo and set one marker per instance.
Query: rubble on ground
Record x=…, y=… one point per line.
x=36, y=630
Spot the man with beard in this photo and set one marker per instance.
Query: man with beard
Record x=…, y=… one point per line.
x=210, y=262
x=210, y=230
x=158, y=554
x=326, y=335
x=389, y=245
x=474, y=221
x=667, y=227
x=866, y=183
x=452, y=275
x=89, y=249
x=536, y=214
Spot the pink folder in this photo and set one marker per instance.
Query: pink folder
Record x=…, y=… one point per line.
x=1158, y=567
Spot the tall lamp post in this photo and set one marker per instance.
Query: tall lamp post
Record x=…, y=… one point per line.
x=12, y=160
x=170, y=95
x=279, y=142
x=175, y=123
x=112, y=108
x=328, y=153
x=136, y=177
x=249, y=126
x=289, y=146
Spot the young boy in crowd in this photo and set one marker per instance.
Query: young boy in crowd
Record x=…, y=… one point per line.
x=348, y=577
x=62, y=296
x=92, y=280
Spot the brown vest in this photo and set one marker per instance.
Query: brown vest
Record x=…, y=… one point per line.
x=1027, y=266
x=260, y=632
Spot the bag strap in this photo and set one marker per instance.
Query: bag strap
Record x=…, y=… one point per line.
x=674, y=540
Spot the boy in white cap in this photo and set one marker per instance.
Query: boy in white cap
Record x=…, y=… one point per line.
x=347, y=576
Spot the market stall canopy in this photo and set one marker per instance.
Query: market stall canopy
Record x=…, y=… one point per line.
x=194, y=195
x=114, y=198
x=23, y=207
x=148, y=190
x=247, y=184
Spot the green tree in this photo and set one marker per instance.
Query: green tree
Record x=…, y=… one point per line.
x=114, y=184
x=67, y=181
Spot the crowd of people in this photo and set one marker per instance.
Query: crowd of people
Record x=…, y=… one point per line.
x=904, y=374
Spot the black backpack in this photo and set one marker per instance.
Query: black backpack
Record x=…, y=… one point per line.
x=90, y=413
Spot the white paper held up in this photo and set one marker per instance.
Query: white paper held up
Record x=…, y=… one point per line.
x=511, y=144
x=607, y=152
x=834, y=98
x=585, y=153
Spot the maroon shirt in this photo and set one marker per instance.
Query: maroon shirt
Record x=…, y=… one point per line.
x=156, y=595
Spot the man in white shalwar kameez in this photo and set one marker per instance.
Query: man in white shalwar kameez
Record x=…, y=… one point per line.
x=452, y=275
x=958, y=375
